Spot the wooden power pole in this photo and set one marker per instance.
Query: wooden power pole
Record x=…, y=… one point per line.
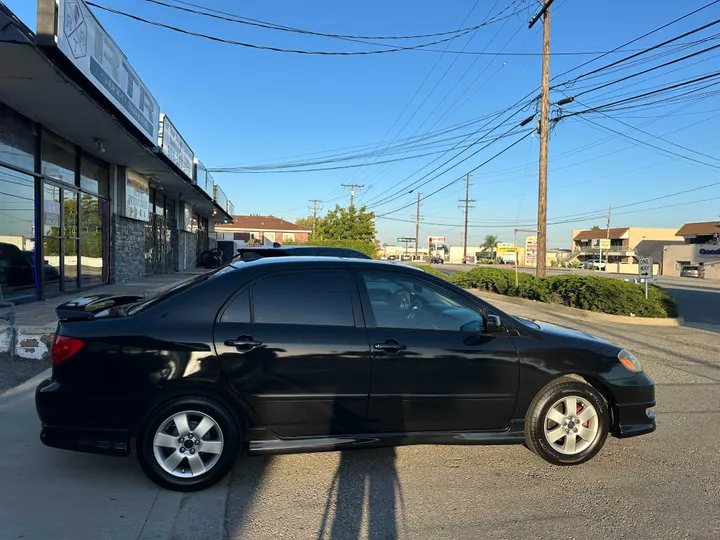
x=467, y=200
x=315, y=211
x=417, y=227
x=544, y=134
x=352, y=188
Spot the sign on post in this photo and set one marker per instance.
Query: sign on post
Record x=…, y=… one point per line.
x=601, y=243
x=405, y=240
x=645, y=271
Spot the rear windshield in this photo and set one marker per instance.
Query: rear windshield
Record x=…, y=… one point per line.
x=176, y=289
x=690, y=268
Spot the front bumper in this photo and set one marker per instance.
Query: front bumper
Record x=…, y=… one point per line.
x=633, y=410
x=77, y=420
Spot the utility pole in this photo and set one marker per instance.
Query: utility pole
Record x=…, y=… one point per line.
x=544, y=133
x=315, y=210
x=352, y=188
x=417, y=227
x=608, y=221
x=467, y=200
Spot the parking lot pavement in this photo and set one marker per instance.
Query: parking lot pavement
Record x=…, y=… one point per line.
x=663, y=485
x=60, y=495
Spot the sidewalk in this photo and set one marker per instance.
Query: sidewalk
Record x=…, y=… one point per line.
x=34, y=323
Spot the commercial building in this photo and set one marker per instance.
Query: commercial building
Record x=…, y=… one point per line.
x=97, y=185
x=626, y=244
x=700, y=246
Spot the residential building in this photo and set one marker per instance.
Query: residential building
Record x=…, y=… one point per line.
x=97, y=184
x=254, y=229
x=700, y=246
x=626, y=243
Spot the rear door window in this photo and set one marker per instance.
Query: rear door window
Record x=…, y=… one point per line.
x=320, y=298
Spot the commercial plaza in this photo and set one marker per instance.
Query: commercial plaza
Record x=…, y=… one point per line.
x=97, y=185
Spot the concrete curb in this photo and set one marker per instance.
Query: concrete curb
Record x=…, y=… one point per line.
x=27, y=341
x=578, y=313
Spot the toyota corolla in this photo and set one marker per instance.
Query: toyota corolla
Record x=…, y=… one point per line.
x=299, y=354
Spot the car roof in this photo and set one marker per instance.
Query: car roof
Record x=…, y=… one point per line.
x=294, y=262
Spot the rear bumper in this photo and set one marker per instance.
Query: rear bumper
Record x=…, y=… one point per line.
x=73, y=419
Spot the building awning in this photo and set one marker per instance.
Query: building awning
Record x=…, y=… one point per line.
x=34, y=84
x=702, y=228
x=615, y=234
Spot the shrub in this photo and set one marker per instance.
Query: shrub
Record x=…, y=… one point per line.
x=591, y=293
x=365, y=247
x=497, y=280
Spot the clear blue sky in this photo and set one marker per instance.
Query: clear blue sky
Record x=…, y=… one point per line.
x=237, y=106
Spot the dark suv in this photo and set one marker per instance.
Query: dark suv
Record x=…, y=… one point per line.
x=253, y=253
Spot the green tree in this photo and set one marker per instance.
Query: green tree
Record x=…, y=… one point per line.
x=305, y=223
x=347, y=224
x=595, y=228
x=490, y=243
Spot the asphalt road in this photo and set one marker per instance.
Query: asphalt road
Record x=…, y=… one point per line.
x=698, y=299
x=663, y=485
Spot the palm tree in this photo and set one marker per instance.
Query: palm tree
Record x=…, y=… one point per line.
x=490, y=243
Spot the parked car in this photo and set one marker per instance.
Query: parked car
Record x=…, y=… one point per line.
x=593, y=264
x=51, y=273
x=695, y=271
x=252, y=253
x=406, y=258
x=293, y=354
x=437, y=260
x=15, y=270
x=391, y=258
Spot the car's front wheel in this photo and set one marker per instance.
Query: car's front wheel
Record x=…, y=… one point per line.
x=189, y=443
x=567, y=422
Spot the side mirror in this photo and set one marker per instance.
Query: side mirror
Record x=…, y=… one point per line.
x=493, y=324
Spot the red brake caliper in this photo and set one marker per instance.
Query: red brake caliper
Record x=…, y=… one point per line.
x=577, y=411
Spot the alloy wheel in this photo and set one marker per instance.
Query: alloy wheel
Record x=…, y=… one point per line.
x=188, y=444
x=571, y=425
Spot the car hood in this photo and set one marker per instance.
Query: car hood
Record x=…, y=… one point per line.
x=578, y=336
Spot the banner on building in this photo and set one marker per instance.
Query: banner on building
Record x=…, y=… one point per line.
x=137, y=197
x=83, y=40
x=174, y=146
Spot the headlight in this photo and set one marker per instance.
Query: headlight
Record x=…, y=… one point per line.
x=628, y=360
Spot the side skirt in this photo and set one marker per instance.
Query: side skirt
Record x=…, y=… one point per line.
x=263, y=441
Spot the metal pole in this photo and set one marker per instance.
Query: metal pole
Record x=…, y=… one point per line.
x=544, y=134
x=646, y=288
x=417, y=227
x=467, y=202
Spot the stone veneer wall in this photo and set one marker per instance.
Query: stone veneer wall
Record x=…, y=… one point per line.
x=127, y=250
x=187, y=250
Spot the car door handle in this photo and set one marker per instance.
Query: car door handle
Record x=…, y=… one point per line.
x=243, y=343
x=390, y=346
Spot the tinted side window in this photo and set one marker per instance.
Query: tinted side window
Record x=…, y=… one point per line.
x=410, y=303
x=311, y=298
x=239, y=309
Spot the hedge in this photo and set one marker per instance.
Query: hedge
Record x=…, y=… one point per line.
x=591, y=293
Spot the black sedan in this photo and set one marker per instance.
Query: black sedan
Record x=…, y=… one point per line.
x=299, y=354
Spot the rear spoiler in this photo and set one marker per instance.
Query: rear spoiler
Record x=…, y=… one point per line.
x=87, y=306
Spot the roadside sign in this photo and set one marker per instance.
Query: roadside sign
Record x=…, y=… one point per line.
x=406, y=240
x=601, y=243
x=645, y=269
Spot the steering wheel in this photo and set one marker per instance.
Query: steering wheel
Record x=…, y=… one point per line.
x=415, y=308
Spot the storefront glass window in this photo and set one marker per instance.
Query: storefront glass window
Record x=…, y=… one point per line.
x=94, y=175
x=17, y=225
x=94, y=215
x=70, y=240
x=58, y=158
x=51, y=238
x=17, y=140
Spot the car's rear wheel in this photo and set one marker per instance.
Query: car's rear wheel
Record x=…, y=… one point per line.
x=188, y=443
x=567, y=422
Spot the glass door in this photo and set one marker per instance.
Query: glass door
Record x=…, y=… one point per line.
x=60, y=238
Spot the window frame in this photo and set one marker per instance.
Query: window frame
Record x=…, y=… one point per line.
x=355, y=297
x=371, y=323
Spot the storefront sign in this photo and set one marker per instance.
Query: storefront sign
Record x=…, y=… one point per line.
x=707, y=252
x=220, y=198
x=174, y=146
x=51, y=213
x=137, y=197
x=88, y=46
x=203, y=179
x=437, y=242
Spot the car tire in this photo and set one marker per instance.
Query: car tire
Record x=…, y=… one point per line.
x=559, y=438
x=221, y=442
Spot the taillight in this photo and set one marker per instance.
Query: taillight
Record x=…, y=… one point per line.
x=64, y=347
